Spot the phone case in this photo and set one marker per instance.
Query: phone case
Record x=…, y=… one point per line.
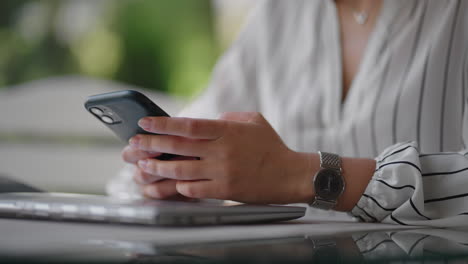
x=124, y=108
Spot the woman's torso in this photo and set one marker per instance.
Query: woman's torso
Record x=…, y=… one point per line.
x=410, y=84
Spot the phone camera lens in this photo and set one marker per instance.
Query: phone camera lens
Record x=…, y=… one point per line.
x=96, y=111
x=107, y=119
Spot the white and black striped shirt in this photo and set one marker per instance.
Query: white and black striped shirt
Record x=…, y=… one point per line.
x=410, y=88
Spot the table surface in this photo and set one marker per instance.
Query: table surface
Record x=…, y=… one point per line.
x=302, y=240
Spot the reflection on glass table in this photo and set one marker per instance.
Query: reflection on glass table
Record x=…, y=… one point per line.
x=415, y=246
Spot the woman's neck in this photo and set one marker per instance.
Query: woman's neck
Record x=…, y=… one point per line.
x=359, y=5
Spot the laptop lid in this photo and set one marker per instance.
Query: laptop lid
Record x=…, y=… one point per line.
x=96, y=208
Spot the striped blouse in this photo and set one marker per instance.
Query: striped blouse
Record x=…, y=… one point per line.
x=405, y=107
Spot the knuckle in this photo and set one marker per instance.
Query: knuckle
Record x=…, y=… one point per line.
x=152, y=167
x=164, y=170
x=157, y=143
x=145, y=142
x=173, y=143
x=192, y=127
x=151, y=143
x=177, y=171
x=193, y=171
x=161, y=124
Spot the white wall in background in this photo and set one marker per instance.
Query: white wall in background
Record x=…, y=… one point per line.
x=49, y=140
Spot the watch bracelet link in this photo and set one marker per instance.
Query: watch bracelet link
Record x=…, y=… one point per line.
x=322, y=204
x=330, y=160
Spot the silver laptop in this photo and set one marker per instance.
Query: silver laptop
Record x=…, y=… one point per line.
x=95, y=208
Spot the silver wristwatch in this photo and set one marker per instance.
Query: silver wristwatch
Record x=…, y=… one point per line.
x=328, y=182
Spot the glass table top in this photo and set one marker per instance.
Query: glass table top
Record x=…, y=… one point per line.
x=405, y=246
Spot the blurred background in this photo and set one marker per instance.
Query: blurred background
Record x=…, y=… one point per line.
x=161, y=45
x=54, y=53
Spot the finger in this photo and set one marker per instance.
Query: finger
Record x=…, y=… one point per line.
x=184, y=127
x=178, y=170
x=242, y=116
x=171, y=144
x=132, y=155
x=161, y=190
x=196, y=189
x=143, y=178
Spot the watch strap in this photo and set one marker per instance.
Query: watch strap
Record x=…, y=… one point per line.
x=330, y=161
x=323, y=204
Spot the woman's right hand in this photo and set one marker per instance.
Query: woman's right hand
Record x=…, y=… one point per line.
x=152, y=186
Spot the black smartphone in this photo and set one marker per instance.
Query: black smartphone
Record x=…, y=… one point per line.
x=120, y=112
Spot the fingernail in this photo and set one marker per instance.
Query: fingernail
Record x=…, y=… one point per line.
x=142, y=164
x=134, y=141
x=145, y=123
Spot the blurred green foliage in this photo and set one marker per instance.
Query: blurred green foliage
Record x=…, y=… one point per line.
x=165, y=45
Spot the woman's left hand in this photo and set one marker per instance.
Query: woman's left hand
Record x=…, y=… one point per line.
x=242, y=158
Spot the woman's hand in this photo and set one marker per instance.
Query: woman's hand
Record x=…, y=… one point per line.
x=241, y=158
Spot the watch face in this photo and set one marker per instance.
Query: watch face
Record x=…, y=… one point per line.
x=328, y=184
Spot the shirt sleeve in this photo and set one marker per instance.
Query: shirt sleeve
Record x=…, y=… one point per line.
x=409, y=188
